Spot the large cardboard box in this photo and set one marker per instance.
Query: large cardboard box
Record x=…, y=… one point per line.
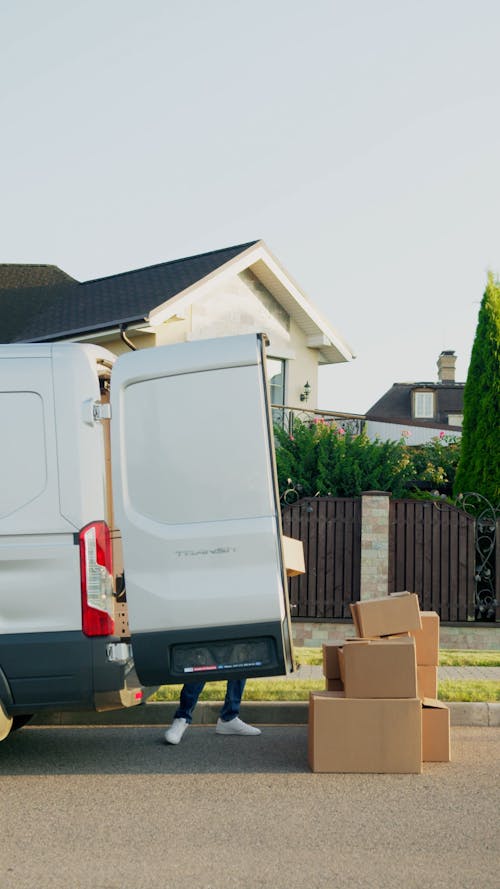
x=427, y=639
x=331, y=669
x=388, y=615
x=427, y=682
x=435, y=731
x=379, y=668
x=293, y=554
x=356, y=735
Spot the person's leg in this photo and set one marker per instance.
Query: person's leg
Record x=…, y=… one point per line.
x=188, y=700
x=184, y=713
x=234, y=693
x=229, y=723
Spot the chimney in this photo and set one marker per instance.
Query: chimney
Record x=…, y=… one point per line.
x=446, y=367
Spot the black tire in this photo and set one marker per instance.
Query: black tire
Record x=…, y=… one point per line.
x=19, y=721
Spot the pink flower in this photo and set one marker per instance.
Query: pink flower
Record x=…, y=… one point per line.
x=406, y=433
x=341, y=431
x=442, y=434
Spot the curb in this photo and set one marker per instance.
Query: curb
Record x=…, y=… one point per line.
x=258, y=712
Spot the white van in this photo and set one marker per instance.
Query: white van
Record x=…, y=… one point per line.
x=173, y=447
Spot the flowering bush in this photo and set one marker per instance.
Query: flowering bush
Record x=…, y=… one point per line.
x=323, y=458
x=436, y=462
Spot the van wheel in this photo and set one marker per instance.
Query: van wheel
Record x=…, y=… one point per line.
x=19, y=721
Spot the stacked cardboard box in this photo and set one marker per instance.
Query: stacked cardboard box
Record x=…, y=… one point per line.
x=374, y=715
x=427, y=644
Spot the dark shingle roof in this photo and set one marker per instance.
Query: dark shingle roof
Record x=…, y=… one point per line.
x=396, y=406
x=49, y=312
x=17, y=275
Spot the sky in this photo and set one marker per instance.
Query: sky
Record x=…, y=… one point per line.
x=360, y=139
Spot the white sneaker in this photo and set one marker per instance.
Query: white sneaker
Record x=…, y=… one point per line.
x=176, y=731
x=235, y=726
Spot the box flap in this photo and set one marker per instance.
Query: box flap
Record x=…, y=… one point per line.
x=436, y=705
x=293, y=554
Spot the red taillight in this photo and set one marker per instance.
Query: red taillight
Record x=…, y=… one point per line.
x=96, y=571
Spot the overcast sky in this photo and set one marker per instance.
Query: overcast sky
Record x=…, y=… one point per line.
x=359, y=139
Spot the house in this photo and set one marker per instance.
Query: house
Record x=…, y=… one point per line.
x=420, y=411
x=234, y=290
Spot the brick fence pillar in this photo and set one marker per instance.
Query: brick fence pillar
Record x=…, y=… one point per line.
x=374, y=544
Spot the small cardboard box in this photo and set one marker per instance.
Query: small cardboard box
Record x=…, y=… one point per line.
x=435, y=731
x=379, y=668
x=355, y=735
x=397, y=613
x=427, y=639
x=293, y=554
x=331, y=669
x=427, y=681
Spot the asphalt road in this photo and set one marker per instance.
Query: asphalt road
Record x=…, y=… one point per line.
x=115, y=808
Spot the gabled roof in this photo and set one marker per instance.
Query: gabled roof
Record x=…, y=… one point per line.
x=56, y=310
x=62, y=308
x=396, y=404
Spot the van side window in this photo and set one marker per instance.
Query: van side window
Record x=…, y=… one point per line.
x=23, y=463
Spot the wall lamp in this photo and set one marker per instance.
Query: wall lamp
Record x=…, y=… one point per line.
x=304, y=395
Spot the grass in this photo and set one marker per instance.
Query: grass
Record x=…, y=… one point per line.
x=471, y=691
x=449, y=658
x=255, y=690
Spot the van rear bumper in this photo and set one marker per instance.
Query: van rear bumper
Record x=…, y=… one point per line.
x=63, y=671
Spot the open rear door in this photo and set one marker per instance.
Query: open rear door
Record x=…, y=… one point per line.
x=196, y=499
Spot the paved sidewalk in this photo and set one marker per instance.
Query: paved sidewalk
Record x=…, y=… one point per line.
x=306, y=671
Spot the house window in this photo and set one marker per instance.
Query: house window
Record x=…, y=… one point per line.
x=423, y=405
x=276, y=374
x=455, y=419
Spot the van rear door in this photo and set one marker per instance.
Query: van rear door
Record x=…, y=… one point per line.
x=196, y=499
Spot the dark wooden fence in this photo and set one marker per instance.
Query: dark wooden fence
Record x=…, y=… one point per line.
x=432, y=553
x=330, y=529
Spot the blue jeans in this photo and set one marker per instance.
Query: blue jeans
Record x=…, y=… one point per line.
x=192, y=691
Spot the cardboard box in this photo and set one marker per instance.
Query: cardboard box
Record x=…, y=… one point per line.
x=331, y=667
x=427, y=682
x=427, y=639
x=435, y=731
x=397, y=613
x=293, y=554
x=368, y=736
x=379, y=668
x=334, y=685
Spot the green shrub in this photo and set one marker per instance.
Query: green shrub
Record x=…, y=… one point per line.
x=323, y=459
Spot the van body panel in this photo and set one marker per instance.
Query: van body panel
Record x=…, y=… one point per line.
x=57, y=671
x=39, y=583
x=196, y=501
x=212, y=653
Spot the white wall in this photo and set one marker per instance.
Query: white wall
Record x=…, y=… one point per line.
x=396, y=431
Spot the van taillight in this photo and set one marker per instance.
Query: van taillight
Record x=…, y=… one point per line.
x=96, y=571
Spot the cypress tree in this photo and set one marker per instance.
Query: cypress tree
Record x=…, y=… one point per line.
x=479, y=466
